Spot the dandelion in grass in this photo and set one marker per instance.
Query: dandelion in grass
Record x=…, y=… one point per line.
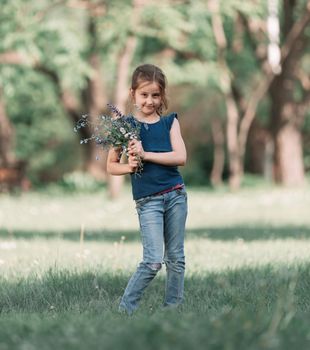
x=107, y=131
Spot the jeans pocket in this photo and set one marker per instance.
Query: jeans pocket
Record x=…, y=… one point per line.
x=182, y=191
x=140, y=202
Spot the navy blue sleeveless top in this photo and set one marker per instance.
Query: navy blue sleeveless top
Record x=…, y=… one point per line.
x=155, y=177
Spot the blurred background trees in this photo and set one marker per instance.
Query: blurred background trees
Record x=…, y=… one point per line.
x=62, y=59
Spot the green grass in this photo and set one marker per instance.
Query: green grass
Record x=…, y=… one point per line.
x=241, y=309
x=247, y=283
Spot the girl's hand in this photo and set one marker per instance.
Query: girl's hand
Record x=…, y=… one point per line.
x=135, y=149
x=133, y=163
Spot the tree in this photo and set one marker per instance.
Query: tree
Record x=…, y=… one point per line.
x=7, y=156
x=293, y=47
x=287, y=112
x=123, y=60
x=38, y=39
x=86, y=49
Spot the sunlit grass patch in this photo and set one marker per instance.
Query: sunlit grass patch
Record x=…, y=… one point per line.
x=23, y=257
x=67, y=213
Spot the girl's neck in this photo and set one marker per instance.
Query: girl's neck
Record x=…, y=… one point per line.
x=153, y=118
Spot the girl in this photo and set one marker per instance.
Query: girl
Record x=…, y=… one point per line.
x=161, y=199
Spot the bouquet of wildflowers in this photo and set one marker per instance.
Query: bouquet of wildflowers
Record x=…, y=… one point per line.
x=108, y=131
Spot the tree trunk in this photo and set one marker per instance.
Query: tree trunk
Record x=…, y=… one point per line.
x=288, y=155
x=6, y=137
x=96, y=102
x=115, y=183
x=261, y=150
x=274, y=85
x=219, y=152
x=232, y=143
x=285, y=118
x=288, y=162
x=231, y=106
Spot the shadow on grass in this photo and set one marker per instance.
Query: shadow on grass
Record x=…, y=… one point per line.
x=219, y=233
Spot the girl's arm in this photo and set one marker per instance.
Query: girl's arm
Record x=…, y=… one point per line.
x=114, y=167
x=176, y=157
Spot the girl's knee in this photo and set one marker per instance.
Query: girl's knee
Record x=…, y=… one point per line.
x=177, y=265
x=154, y=266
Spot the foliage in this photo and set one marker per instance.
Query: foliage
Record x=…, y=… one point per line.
x=177, y=35
x=43, y=136
x=198, y=171
x=46, y=36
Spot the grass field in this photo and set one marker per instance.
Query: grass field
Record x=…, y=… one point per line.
x=65, y=260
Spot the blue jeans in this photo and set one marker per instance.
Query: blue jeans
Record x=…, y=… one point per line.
x=162, y=225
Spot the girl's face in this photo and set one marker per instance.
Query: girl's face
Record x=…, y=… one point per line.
x=148, y=99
